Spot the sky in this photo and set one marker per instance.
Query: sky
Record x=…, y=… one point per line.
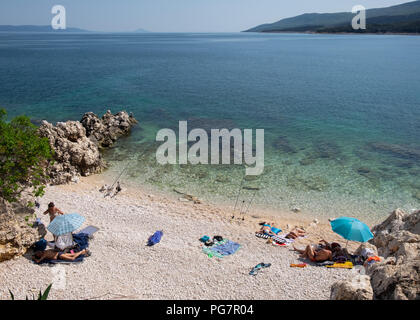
x=171, y=15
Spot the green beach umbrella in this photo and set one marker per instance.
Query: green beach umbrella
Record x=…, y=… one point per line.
x=351, y=229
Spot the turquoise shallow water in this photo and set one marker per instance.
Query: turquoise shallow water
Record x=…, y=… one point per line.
x=340, y=112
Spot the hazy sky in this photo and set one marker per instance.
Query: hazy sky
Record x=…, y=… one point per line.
x=171, y=15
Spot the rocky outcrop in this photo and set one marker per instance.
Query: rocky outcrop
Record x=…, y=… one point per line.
x=16, y=231
x=396, y=276
x=358, y=288
x=77, y=145
x=398, y=241
x=396, y=282
x=398, y=236
x=104, y=132
x=74, y=153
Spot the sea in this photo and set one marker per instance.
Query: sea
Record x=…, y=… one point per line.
x=340, y=113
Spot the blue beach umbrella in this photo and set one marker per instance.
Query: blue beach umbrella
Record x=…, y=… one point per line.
x=351, y=229
x=65, y=223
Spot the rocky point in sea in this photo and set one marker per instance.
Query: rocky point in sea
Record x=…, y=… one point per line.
x=77, y=144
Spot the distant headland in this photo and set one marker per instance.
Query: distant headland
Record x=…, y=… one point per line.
x=403, y=18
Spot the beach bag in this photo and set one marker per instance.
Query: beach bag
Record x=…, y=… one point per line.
x=40, y=245
x=155, y=238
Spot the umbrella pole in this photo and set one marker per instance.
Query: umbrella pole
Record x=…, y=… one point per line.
x=347, y=243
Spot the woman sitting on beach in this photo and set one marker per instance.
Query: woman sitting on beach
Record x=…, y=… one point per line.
x=55, y=255
x=315, y=255
x=53, y=211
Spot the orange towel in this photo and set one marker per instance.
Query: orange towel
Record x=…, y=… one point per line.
x=300, y=265
x=374, y=258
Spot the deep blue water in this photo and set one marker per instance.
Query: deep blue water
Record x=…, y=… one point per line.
x=341, y=113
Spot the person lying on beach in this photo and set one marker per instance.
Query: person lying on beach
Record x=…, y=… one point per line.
x=53, y=211
x=296, y=233
x=56, y=255
x=315, y=255
x=266, y=229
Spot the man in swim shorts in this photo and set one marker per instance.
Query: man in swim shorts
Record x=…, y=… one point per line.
x=53, y=211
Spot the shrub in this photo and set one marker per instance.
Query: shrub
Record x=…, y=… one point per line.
x=23, y=154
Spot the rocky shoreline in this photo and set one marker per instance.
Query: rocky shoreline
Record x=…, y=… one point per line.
x=77, y=149
x=177, y=269
x=397, y=276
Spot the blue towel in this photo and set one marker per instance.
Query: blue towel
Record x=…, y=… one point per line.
x=227, y=248
x=155, y=238
x=82, y=241
x=276, y=230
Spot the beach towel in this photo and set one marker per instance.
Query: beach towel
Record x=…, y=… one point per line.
x=81, y=240
x=275, y=230
x=228, y=248
x=221, y=249
x=90, y=230
x=281, y=239
x=346, y=265
x=262, y=235
x=155, y=238
x=298, y=265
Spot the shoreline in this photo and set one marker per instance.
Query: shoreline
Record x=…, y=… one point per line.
x=312, y=205
x=224, y=207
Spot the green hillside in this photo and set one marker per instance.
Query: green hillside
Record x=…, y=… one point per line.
x=400, y=18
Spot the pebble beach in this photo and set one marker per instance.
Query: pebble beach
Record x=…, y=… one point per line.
x=123, y=267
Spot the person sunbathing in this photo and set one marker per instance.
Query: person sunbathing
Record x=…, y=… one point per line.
x=56, y=255
x=296, y=233
x=315, y=255
x=53, y=211
x=266, y=229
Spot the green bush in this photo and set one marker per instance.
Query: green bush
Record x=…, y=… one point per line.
x=23, y=154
